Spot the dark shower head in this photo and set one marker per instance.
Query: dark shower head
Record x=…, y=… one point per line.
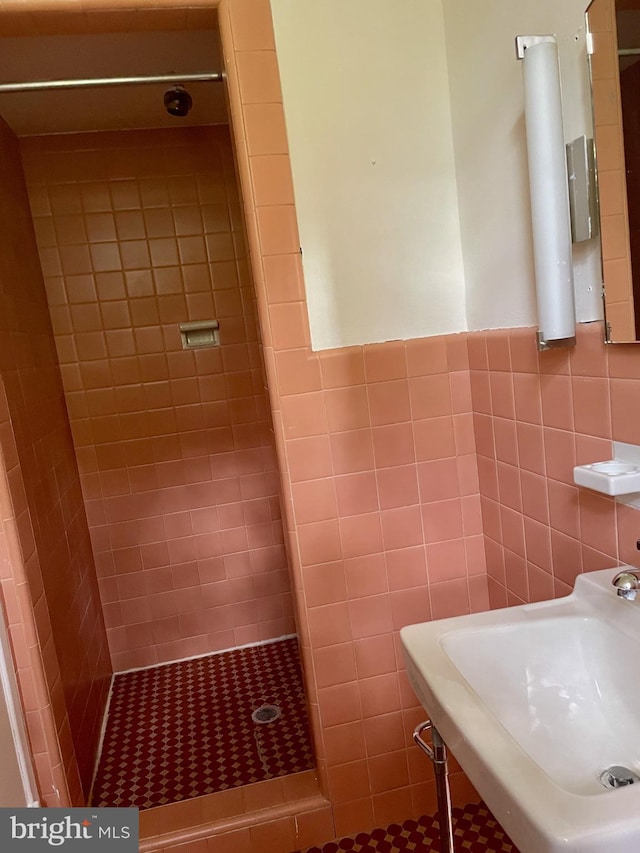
x=177, y=101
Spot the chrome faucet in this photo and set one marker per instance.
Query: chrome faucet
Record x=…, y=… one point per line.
x=627, y=584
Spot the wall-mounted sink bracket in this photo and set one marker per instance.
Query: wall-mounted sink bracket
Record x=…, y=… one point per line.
x=437, y=754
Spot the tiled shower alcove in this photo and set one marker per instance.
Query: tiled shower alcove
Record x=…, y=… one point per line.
x=192, y=728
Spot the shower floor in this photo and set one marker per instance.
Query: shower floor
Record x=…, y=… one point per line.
x=185, y=729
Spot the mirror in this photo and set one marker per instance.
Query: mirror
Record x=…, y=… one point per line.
x=615, y=81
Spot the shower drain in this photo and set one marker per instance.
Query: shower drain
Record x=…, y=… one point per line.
x=266, y=714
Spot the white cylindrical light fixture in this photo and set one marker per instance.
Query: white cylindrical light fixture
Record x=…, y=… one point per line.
x=548, y=181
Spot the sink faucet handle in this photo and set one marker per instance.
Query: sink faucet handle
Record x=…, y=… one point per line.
x=627, y=584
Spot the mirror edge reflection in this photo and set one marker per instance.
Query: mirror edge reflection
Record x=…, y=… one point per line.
x=620, y=321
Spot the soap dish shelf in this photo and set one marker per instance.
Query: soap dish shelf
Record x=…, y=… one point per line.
x=612, y=477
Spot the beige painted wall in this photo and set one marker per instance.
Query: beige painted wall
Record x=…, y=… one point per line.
x=406, y=130
x=366, y=102
x=490, y=148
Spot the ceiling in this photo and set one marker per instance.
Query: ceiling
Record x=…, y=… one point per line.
x=146, y=47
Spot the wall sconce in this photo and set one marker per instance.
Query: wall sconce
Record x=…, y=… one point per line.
x=549, y=191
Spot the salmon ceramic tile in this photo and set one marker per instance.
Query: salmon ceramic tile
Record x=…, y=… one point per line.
x=298, y=371
x=251, y=25
x=258, y=77
x=409, y=606
x=347, y=408
x=609, y=143
x=442, y=520
x=366, y=575
x=591, y=406
x=347, y=780
x=498, y=351
x=335, y=665
x=611, y=192
x=370, y=616
x=450, y=598
x=385, y=738
x=430, y=396
x=477, y=348
x=567, y=557
x=625, y=405
x=310, y=458
x=502, y=396
x=265, y=129
x=435, y=438
x=557, y=410
x=445, y=561
x=353, y=814
x=535, y=496
x=438, y=480
x=315, y=500
x=406, y=568
x=393, y=445
x=397, y=486
x=614, y=236
x=289, y=325
x=340, y=704
x=426, y=356
x=360, y=535
x=560, y=454
x=512, y=524
x=389, y=402
x=305, y=415
x=597, y=521
x=329, y=625
x=517, y=578
x=271, y=175
x=356, y=493
x=352, y=451
x=375, y=655
x=385, y=362
x=538, y=543
x=283, y=277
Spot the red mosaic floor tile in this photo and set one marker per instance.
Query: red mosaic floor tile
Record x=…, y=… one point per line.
x=185, y=729
x=474, y=827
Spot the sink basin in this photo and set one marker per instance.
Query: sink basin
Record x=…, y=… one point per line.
x=536, y=702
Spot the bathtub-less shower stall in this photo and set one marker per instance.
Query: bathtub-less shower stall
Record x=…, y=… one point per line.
x=135, y=421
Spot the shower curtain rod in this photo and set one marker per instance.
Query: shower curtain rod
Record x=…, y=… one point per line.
x=90, y=82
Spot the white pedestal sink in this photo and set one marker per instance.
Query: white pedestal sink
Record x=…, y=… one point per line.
x=536, y=702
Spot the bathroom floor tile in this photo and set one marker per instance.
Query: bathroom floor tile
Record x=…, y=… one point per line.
x=185, y=729
x=475, y=831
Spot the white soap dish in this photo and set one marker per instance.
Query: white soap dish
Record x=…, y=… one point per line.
x=612, y=477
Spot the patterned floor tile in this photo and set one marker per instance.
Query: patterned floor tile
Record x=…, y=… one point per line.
x=191, y=728
x=475, y=831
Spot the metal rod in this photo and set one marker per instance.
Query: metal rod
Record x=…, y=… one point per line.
x=442, y=792
x=90, y=82
x=437, y=753
x=629, y=51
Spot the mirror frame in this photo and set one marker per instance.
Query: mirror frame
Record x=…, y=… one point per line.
x=618, y=293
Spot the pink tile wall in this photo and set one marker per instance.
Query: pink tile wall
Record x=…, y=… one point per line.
x=30, y=636
x=138, y=232
x=51, y=559
x=377, y=453
x=388, y=508
x=536, y=416
x=387, y=518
